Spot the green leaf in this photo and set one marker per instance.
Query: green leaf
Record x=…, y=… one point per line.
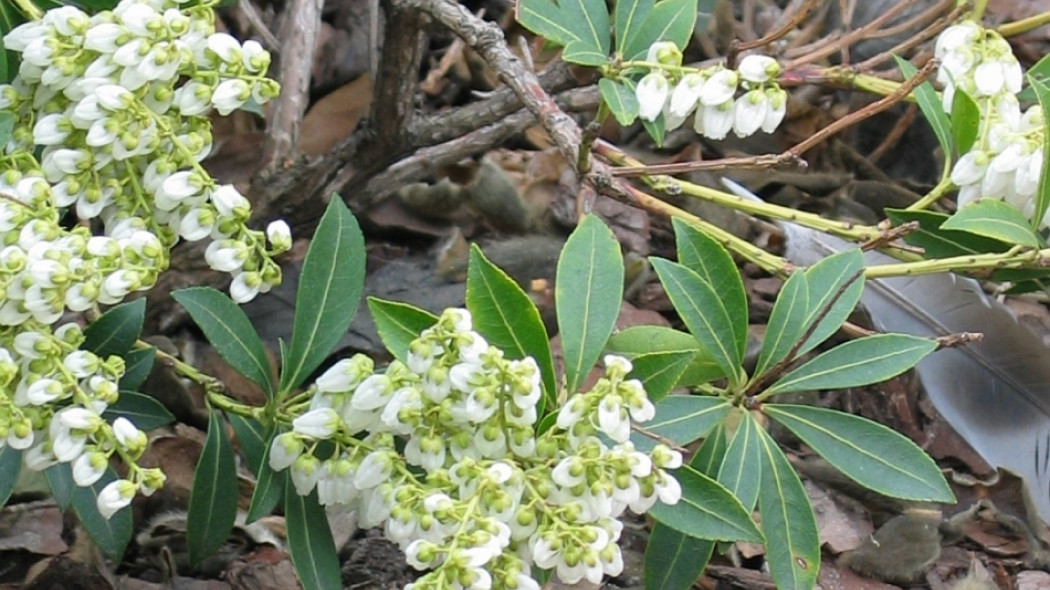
x=787, y=322
x=545, y=18
x=966, y=118
x=682, y=419
x=60, y=479
x=588, y=290
x=10, y=467
x=669, y=20
x=399, y=324
x=145, y=412
x=115, y=331
x=310, y=541
x=939, y=242
x=329, y=292
x=825, y=280
x=869, y=453
x=7, y=119
x=855, y=363
x=994, y=219
x=138, y=363
x=581, y=26
x=229, y=331
x=112, y=534
x=712, y=263
x=700, y=307
x=252, y=437
x=674, y=560
x=628, y=16
x=508, y=319
x=931, y=107
x=269, y=486
x=1039, y=72
x=706, y=511
x=792, y=542
x=656, y=129
x=659, y=371
x=622, y=102
x=639, y=340
x=740, y=472
x=709, y=457
x=1042, y=92
x=213, y=501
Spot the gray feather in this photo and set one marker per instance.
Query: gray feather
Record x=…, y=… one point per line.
x=996, y=392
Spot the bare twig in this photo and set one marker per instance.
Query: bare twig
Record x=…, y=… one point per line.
x=787, y=27
x=269, y=40
x=825, y=48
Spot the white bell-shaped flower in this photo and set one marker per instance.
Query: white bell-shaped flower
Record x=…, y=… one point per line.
x=652, y=92
x=114, y=496
x=719, y=88
x=758, y=68
x=749, y=112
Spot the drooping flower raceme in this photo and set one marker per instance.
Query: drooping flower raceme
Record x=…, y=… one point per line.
x=495, y=497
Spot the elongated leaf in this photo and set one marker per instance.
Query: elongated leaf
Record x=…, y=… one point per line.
x=213, y=501
x=60, y=479
x=10, y=467
x=269, y=486
x=706, y=511
x=700, y=307
x=669, y=20
x=741, y=471
x=628, y=16
x=792, y=542
x=621, y=100
x=857, y=362
x=931, y=107
x=825, y=280
x=252, y=437
x=711, y=262
x=1039, y=72
x=399, y=324
x=869, y=453
x=1042, y=196
x=966, y=118
x=682, y=419
x=639, y=340
x=587, y=293
x=939, y=242
x=310, y=541
x=994, y=219
x=329, y=292
x=137, y=365
x=787, y=322
x=545, y=18
x=659, y=371
x=115, y=331
x=112, y=534
x=590, y=20
x=229, y=331
x=145, y=412
x=674, y=560
x=508, y=319
x=708, y=458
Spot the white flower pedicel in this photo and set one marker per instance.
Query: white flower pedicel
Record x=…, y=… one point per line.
x=494, y=497
x=117, y=105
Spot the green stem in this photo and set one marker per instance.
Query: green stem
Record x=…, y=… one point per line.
x=1024, y=25
x=1016, y=257
x=936, y=193
x=30, y=10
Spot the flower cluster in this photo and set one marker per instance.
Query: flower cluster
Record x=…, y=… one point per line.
x=1006, y=160
x=478, y=496
x=710, y=94
x=55, y=411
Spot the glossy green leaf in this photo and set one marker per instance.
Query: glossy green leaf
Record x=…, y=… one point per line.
x=112, y=534
x=869, y=453
x=699, y=252
x=508, y=319
x=399, y=324
x=994, y=219
x=674, y=560
x=858, y=362
x=657, y=129
x=621, y=100
x=545, y=18
x=60, y=479
x=741, y=471
x=787, y=323
x=939, y=242
x=826, y=280
x=230, y=331
x=269, y=486
x=966, y=118
x=1042, y=93
x=639, y=340
x=115, y=331
x=144, y=411
x=931, y=107
x=708, y=458
x=329, y=292
x=792, y=542
x=10, y=467
x=669, y=20
x=1039, y=72
x=138, y=363
x=660, y=371
x=252, y=438
x=682, y=419
x=707, y=510
x=213, y=500
x=700, y=307
x=588, y=290
x=310, y=541
x=7, y=119
x=628, y=16
x=590, y=21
